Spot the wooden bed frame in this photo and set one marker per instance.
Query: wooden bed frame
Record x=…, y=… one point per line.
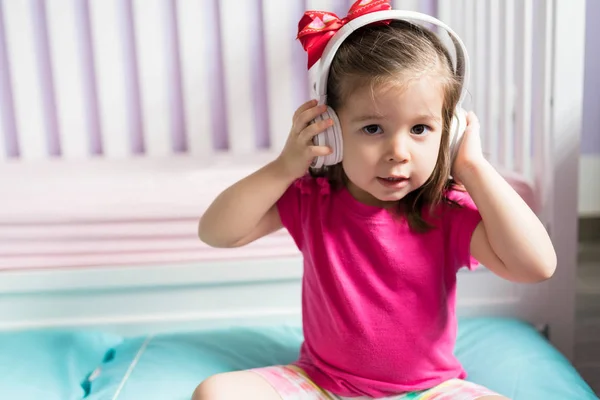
x=103, y=236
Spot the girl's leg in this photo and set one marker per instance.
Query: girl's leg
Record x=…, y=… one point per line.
x=458, y=389
x=235, y=385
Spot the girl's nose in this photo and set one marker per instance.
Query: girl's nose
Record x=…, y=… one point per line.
x=399, y=149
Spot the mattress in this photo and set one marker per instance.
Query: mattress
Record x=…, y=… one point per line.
x=506, y=355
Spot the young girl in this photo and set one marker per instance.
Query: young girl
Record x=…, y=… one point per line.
x=384, y=232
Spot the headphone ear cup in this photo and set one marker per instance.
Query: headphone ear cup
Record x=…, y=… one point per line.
x=330, y=137
x=457, y=129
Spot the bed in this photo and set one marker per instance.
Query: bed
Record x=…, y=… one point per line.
x=120, y=126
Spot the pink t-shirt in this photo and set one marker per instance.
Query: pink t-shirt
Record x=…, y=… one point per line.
x=378, y=301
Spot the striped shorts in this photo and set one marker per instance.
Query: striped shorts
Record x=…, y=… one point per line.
x=292, y=383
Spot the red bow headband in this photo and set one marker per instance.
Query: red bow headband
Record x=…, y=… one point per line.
x=316, y=28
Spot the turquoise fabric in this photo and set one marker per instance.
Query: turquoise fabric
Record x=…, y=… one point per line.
x=171, y=366
x=510, y=357
x=50, y=365
x=505, y=355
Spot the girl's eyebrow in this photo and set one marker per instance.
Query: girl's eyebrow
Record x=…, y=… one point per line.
x=429, y=117
x=421, y=117
x=368, y=117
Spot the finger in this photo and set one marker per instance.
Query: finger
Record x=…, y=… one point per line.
x=305, y=117
x=312, y=130
x=472, y=118
x=304, y=107
x=317, y=151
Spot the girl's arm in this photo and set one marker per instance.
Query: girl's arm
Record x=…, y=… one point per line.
x=246, y=210
x=511, y=241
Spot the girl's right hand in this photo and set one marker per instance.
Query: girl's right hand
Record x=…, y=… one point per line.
x=299, y=150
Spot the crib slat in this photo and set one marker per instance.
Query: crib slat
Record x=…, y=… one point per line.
x=469, y=40
x=238, y=51
x=279, y=36
x=506, y=128
x=7, y=117
x=444, y=11
x=523, y=70
x=541, y=102
x=108, y=36
x=340, y=8
x=150, y=28
x=492, y=63
x=259, y=77
x=429, y=7
x=195, y=73
x=483, y=73
x=478, y=66
x=175, y=78
x=27, y=91
x=90, y=86
x=324, y=5
x=4, y=131
x=409, y=5
x=46, y=77
x=468, y=30
x=66, y=65
x=457, y=17
x=447, y=13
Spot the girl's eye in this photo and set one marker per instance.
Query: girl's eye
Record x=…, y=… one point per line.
x=420, y=129
x=372, y=129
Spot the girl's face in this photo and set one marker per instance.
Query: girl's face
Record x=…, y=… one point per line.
x=391, y=137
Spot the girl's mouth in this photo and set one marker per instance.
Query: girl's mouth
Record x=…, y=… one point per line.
x=393, y=181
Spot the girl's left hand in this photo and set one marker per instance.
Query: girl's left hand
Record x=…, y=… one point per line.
x=469, y=153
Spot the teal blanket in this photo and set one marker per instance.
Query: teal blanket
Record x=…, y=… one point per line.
x=505, y=355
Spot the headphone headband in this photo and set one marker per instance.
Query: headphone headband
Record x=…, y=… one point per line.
x=459, y=57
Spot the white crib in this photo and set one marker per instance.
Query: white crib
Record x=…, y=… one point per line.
x=120, y=120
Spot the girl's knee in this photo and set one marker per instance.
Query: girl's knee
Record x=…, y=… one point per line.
x=210, y=388
x=235, y=385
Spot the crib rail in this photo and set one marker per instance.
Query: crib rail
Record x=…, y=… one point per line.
x=511, y=51
x=123, y=78
x=151, y=79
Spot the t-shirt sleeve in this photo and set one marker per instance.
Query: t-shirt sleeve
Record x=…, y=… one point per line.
x=289, y=207
x=461, y=223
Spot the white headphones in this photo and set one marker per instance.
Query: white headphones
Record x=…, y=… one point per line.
x=319, y=72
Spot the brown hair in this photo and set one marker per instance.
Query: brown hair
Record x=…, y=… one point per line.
x=377, y=54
